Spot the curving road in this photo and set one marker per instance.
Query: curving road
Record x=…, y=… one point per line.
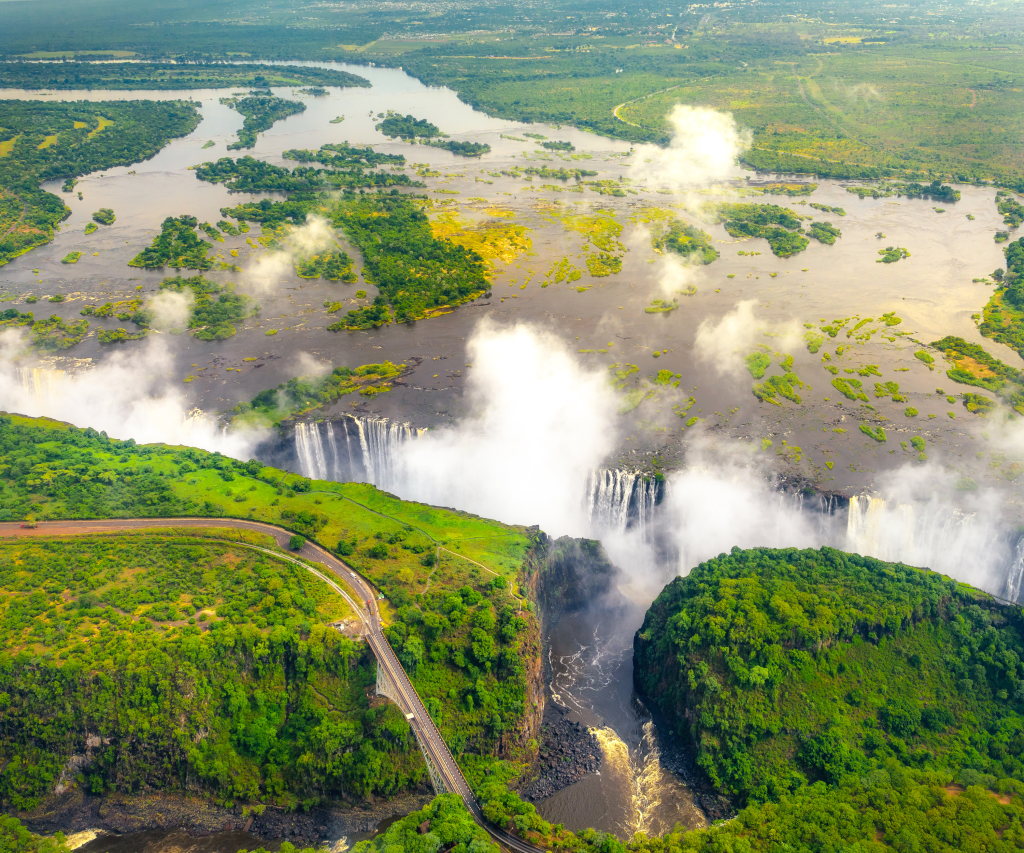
x=365, y=606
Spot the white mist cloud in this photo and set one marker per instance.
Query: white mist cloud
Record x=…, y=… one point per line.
x=170, y=309
x=310, y=365
x=704, y=147
x=544, y=423
x=130, y=395
x=739, y=332
x=267, y=271
x=675, y=275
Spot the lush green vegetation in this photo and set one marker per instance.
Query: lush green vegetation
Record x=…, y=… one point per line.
x=1003, y=316
x=247, y=174
x=892, y=254
x=148, y=75
x=463, y=149
x=973, y=366
x=689, y=241
x=49, y=335
x=779, y=226
x=1012, y=211
x=104, y=216
x=338, y=155
x=838, y=211
x=333, y=266
x=787, y=667
x=416, y=274
x=407, y=127
x=210, y=319
x=177, y=245
x=448, y=826
x=196, y=664
x=305, y=393
x=14, y=838
x=450, y=611
x=824, y=232
x=46, y=141
x=261, y=111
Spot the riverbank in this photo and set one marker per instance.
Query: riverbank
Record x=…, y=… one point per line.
x=122, y=814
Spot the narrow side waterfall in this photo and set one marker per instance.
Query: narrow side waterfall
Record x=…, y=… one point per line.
x=43, y=383
x=1015, y=577
x=621, y=500
x=353, y=449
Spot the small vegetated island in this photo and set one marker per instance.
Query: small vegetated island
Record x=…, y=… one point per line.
x=778, y=225
x=409, y=128
x=261, y=112
x=44, y=141
x=177, y=245
x=47, y=335
x=212, y=319
x=689, y=241
x=155, y=75
x=816, y=686
x=345, y=171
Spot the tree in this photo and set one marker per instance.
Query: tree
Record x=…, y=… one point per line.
x=296, y=542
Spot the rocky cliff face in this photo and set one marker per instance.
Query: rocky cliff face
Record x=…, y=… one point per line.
x=559, y=577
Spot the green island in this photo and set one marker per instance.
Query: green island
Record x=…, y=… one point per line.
x=152, y=75
x=842, y=702
x=247, y=174
x=892, y=254
x=210, y=319
x=824, y=208
x=342, y=155
x=303, y=394
x=332, y=266
x=463, y=149
x=104, y=216
x=416, y=275
x=49, y=335
x=261, y=111
x=1011, y=210
x=177, y=245
x=779, y=226
x=824, y=232
x=687, y=240
x=407, y=127
x=46, y=141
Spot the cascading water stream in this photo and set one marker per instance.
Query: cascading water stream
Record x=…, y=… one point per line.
x=1015, y=577
x=319, y=452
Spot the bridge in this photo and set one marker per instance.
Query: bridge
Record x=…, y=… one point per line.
x=392, y=679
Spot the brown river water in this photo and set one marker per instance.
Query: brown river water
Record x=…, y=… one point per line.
x=590, y=656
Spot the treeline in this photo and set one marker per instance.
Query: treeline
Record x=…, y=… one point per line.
x=247, y=174
x=338, y=155
x=407, y=127
x=152, y=75
x=66, y=140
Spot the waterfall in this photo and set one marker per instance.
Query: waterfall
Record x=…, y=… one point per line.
x=1016, y=573
x=620, y=500
x=321, y=457
x=310, y=450
x=939, y=537
x=43, y=383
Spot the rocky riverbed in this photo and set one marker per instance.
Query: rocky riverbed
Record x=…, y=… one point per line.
x=569, y=751
x=120, y=815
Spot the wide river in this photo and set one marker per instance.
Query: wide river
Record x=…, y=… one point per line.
x=603, y=320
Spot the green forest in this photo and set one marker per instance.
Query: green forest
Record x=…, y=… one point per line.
x=212, y=319
x=464, y=637
x=177, y=245
x=688, y=241
x=779, y=226
x=407, y=127
x=810, y=683
x=149, y=75
x=67, y=140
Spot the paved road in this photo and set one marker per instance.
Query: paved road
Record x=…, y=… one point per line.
x=366, y=608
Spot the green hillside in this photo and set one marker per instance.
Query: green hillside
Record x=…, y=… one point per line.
x=83, y=625
x=845, y=700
